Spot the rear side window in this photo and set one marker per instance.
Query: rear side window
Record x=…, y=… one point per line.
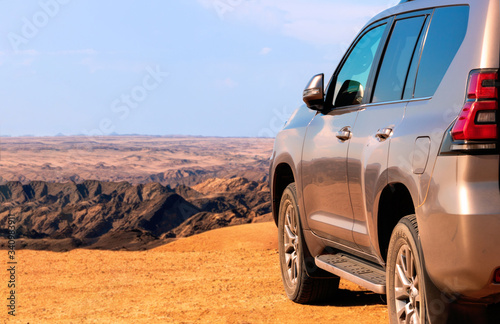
x=446, y=34
x=398, y=55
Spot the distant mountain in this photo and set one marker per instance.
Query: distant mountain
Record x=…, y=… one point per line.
x=118, y=215
x=168, y=160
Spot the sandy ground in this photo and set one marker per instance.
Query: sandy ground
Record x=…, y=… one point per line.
x=230, y=275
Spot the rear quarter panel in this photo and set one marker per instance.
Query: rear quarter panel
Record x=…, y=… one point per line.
x=431, y=118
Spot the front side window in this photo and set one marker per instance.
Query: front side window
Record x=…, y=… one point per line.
x=353, y=76
x=398, y=55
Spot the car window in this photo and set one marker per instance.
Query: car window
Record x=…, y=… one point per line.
x=446, y=34
x=352, y=79
x=398, y=55
x=412, y=73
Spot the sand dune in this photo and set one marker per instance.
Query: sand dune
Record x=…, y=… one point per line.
x=229, y=275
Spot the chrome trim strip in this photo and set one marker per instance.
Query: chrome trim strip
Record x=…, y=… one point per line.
x=395, y=101
x=468, y=147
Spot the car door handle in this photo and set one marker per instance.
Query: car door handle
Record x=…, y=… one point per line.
x=384, y=133
x=344, y=134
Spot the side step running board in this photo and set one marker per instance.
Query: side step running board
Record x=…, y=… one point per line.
x=354, y=270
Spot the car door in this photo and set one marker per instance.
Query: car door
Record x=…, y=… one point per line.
x=377, y=122
x=324, y=156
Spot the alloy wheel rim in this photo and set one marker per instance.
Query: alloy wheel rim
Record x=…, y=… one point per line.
x=291, y=244
x=407, y=288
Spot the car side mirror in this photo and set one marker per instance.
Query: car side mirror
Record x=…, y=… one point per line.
x=314, y=93
x=351, y=93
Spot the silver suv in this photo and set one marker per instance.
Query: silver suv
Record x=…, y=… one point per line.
x=389, y=175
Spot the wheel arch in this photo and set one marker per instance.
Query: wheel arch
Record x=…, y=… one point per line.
x=282, y=177
x=395, y=202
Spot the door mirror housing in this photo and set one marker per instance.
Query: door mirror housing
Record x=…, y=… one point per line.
x=314, y=93
x=351, y=93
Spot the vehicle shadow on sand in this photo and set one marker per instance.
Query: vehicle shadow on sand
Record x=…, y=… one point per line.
x=350, y=298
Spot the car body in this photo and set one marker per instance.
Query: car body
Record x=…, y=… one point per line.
x=406, y=126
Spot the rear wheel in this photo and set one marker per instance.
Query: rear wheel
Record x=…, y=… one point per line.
x=299, y=286
x=406, y=277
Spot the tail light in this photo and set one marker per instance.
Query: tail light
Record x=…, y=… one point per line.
x=477, y=120
x=496, y=278
x=475, y=130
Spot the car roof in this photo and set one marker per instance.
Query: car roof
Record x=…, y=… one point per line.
x=414, y=5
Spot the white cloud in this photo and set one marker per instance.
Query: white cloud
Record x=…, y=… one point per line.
x=28, y=57
x=226, y=83
x=319, y=22
x=265, y=51
x=32, y=52
x=94, y=65
x=86, y=51
x=27, y=61
x=22, y=58
x=27, y=53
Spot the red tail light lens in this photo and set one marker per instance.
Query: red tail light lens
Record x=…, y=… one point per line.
x=482, y=86
x=477, y=120
x=497, y=276
x=470, y=124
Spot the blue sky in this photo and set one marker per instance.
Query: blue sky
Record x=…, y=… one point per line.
x=160, y=67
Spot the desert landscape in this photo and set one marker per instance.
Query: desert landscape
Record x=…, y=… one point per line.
x=170, y=160
x=124, y=229
x=126, y=192
x=228, y=275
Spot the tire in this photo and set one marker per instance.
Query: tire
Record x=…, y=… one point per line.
x=293, y=254
x=409, y=288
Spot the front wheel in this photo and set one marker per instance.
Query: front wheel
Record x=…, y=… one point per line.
x=299, y=286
